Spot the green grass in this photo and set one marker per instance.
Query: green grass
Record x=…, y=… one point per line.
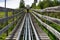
x=55, y=26
x=2, y=14
x=3, y=36
x=10, y=14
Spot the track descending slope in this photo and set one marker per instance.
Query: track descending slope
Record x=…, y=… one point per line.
x=26, y=30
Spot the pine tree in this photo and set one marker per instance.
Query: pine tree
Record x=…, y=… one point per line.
x=22, y=5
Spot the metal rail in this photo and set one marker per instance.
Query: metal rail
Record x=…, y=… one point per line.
x=55, y=32
x=42, y=35
x=54, y=20
x=36, y=35
x=20, y=29
x=28, y=28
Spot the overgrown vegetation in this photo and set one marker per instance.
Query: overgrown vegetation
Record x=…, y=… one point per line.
x=54, y=15
x=2, y=25
x=2, y=14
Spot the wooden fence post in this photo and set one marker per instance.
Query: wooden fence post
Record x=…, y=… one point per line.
x=16, y=16
x=6, y=15
x=13, y=15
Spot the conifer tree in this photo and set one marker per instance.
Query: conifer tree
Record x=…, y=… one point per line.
x=22, y=5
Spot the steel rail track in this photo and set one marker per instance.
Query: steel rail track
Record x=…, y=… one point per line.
x=55, y=32
x=54, y=20
x=26, y=30
x=34, y=30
